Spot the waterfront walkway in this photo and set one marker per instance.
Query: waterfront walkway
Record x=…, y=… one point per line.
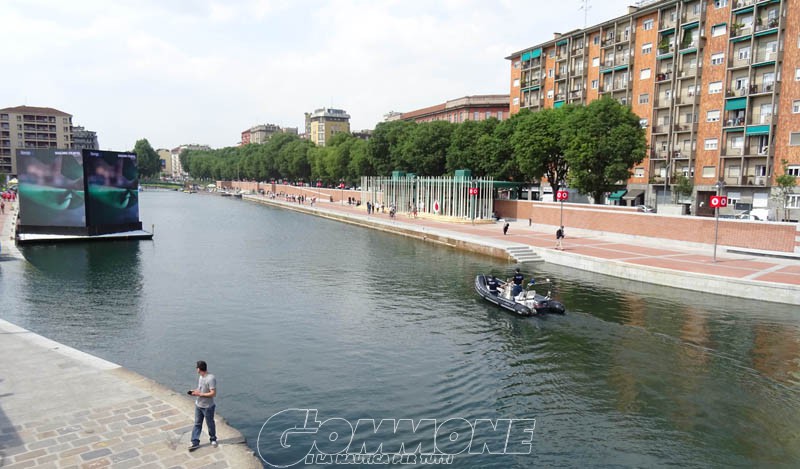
x=683, y=265
x=62, y=408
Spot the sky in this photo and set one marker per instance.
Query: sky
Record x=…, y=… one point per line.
x=179, y=71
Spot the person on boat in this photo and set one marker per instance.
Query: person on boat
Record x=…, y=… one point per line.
x=517, y=279
x=491, y=282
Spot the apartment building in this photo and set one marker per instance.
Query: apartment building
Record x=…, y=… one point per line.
x=475, y=108
x=324, y=123
x=82, y=138
x=31, y=127
x=263, y=132
x=716, y=84
x=176, y=168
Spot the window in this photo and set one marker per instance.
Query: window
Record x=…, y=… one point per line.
x=796, y=106
x=638, y=172
x=643, y=123
x=718, y=58
x=644, y=98
x=647, y=48
x=552, y=53
x=715, y=87
x=476, y=115
x=594, y=84
x=647, y=25
x=644, y=74
x=516, y=82
x=711, y=144
x=794, y=139
x=793, y=201
x=797, y=74
x=708, y=171
x=596, y=39
x=719, y=30
x=596, y=62
x=737, y=142
x=720, y=3
x=488, y=115
x=744, y=53
x=516, y=64
x=499, y=115
x=793, y=170
x=712, y=116
x=549, y=94
x=516, y=101
x=550, y=73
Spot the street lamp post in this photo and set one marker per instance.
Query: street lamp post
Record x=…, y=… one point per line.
x=341, y=190
x=719, y=185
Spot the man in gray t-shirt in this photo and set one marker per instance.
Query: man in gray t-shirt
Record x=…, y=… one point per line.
x=204, y=406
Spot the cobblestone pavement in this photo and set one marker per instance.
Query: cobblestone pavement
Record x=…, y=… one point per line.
x=61, y=408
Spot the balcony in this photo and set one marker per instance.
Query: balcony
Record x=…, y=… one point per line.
x=659, y=154
x=741, y=4
x=686, y=127
x=689, y=72
x=766, y=25
x=689, y=98
x=761, y=89
x=663, y=77
x=736, y=121
x=661, y=129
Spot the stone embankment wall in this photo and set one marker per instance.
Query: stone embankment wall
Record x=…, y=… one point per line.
x=768, y=236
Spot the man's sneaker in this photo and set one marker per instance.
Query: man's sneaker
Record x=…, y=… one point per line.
x=193, y=447
x=214, y=444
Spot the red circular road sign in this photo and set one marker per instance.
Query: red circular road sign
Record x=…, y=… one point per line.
x=562, y=195
x=718, y=201
x=473, y=191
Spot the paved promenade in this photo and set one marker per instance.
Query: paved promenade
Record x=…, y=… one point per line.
x=62, y=408
x=682, y=265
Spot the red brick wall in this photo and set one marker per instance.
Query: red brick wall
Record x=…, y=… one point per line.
x=624, y=220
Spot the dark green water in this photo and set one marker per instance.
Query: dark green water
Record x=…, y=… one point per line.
x=293, y=311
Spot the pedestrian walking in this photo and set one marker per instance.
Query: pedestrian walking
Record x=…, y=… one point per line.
x=505, y=229
x=204, y=406
x=2, y=206
x=559, y=238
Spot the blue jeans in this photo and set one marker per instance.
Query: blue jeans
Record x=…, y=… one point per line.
x=207, y=414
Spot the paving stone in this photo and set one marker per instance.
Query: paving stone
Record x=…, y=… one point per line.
x=29, y=455
x=96, y=464
x=138, y=420
x=43, y=443
x=95, y=454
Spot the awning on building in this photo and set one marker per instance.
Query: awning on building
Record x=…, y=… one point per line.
x=757, y=130
x=617, y=195
x=735, y=103
x=633, y=194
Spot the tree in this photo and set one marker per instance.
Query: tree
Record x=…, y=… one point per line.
x=384, y=145
x=424, y=149
x=147, y=159
x=538, y=144
x=683, y=186
x=603, y=142
x=784, y=185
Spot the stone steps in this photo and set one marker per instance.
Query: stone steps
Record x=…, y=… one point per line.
x=523, y=254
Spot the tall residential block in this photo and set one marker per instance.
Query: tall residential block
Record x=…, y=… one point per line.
x=31, y=127
x=716, y=84
x=324, y=123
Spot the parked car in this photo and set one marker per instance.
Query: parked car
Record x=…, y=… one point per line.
x=645, y=209
x=756, y=215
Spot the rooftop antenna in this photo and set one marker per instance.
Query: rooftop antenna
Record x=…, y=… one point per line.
x=585, y=7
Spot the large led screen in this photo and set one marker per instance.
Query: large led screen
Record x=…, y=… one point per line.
x=51, y=188
x=112, y=185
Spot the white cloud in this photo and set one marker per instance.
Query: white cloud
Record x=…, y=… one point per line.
x=181, y=72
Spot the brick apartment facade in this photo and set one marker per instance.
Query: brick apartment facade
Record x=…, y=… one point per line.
x=476, y=108
x=716, y=84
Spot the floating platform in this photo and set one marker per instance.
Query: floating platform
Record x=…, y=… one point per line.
x=40, y=238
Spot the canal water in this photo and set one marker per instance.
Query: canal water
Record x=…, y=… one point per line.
x=293, y=311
